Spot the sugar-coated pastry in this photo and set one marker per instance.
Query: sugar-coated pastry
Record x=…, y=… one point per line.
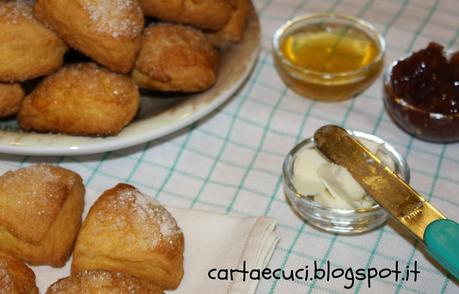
x=204, y=14
x=11, y=96
x=40, y=213
x=27, y=48
x=127, y=231
x=16, y=277
x=81, y=99
x=109, y=31
x=106, y=282
x=176, y=58
x=233, y=31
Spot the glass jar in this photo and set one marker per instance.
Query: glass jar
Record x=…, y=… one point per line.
x=423, y=124
x=335, y=220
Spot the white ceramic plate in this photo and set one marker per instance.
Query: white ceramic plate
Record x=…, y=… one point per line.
x=158, y=116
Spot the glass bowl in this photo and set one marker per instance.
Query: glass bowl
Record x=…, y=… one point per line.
x=335, y=220
x=425, y=125
x=322, y=85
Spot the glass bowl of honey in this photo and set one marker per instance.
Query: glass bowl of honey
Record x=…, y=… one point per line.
x=328, y=56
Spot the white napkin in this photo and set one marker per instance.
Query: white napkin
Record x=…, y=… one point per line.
x=223, y=242
x=211, y=241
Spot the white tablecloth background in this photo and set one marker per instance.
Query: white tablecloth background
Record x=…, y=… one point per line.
x=231, y=161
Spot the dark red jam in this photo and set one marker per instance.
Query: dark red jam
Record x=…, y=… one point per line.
x=422, y=94
x=428, y=80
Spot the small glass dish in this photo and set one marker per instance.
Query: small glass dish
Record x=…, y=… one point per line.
x=425, y=125
x=323, y=85
x=335, y=220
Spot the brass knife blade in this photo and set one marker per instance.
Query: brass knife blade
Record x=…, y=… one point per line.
x=384, y=185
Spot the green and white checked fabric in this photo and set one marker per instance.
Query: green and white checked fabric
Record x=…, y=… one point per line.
x=231, y=161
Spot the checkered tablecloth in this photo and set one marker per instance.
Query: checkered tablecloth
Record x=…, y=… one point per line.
x=230, y=162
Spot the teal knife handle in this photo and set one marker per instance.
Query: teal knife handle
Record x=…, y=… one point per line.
x=442, y=241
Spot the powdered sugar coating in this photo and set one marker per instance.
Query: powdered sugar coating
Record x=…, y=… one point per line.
x=15, y=276
x=19, y=185
x=40, y=190
x=149, y=210
x=13, y=11
x=102, y=282
x=5, y=277
x=140, y=219
x=96, y=80
x=119, y=18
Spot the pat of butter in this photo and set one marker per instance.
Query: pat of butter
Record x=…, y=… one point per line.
x=386, y=160
x=372, y=146
x=340, y=183
x=305, y=172
x=326, y=199
x=330, y=184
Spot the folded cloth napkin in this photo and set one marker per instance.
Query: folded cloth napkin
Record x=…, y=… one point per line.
x=212, y=241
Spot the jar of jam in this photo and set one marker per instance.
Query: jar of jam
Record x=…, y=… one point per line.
x=421, y=94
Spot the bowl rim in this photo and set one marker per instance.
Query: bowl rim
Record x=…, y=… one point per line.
x=402, y=102
x=354, y=21
x=404, y=173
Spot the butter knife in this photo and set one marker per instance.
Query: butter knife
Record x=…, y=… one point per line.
x=408, y=207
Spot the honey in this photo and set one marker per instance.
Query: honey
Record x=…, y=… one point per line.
x=329, y=49
x=328, y=57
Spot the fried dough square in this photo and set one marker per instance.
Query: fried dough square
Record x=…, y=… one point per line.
x=16, y=277
x=11, y=96
x=127, y=231
x=27, y=48
x=81, y=99
x=234, y=29
x=108, y=31
x=176, y=58
x=40, y=213
x=204, y=14
x=105, y=282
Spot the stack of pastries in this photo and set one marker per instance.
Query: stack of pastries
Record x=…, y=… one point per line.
x=166, y=46
x=128, y=242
